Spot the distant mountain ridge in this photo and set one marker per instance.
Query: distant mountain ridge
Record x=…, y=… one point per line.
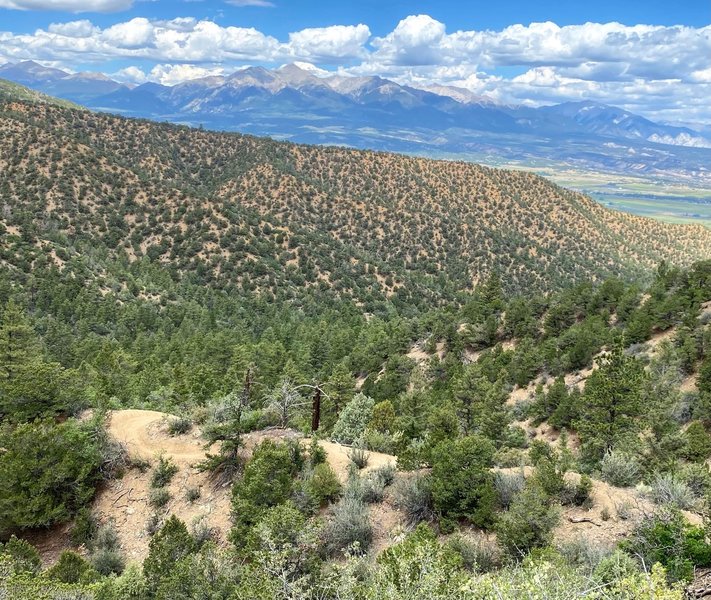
x=303, y=104
x=82, y=190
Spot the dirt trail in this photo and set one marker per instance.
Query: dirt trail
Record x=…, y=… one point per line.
x=142, y=433
x=126, y=501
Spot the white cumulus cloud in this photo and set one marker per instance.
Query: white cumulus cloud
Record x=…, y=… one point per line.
x=329, y=43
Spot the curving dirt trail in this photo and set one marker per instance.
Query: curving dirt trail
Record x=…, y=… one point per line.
x=141, y=432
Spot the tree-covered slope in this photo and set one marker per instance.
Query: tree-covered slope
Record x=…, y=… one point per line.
x=256, y=216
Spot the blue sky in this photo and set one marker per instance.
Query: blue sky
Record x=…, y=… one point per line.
x=382, y=16
x=652, y=57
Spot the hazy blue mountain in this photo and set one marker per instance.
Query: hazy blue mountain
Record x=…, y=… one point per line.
x=295, y=103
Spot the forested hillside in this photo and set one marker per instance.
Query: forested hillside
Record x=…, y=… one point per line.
x=279, y=220
x=511, y=420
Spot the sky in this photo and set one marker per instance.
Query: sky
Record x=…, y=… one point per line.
x=652, y=57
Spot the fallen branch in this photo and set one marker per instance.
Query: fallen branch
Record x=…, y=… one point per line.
x=583, y=520
x=128, y=491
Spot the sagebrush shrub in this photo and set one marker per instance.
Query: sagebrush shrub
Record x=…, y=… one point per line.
x=413, y=495
x=666, y=489
x=347, y=528
x=508, y=485
x=619, y=469
x=359, y=457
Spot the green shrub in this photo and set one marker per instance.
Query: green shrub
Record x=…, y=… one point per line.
x=47, y=472
x=323, y=485
x=159, y=497
x=279, y=527
x=698, y=479
x=418, y=568
x=615, y=567
x=206, y=575
x=84, y=526
x=268, y=480
x=317, y=453
x=462, y=483
x=353, y=420
x=70, y=568
x=130, y=585
x=164, y=472
x=383, y=417
x=698, y=442
x=528, y=523
x=667, y=538
x=166, y=548
x=23, y=556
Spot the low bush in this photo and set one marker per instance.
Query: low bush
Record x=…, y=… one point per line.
x=359, y=457
x=202, y=532
x=619, y=469
x=583, y=553
x=666, y=489
x=508, y=485
x=577, y=494
x=348, y=528
x=192, y=494
x=323, y=485
x=614, y=567
x=108, y=562
x=163, y=473
x=179, y=425
x=106, y=551
x=373, y=489
x=386, y=474
x=159, y=497
x=478, y=554
x=413, y=495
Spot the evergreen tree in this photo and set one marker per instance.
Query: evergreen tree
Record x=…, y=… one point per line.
x=462, y=483
x=166, y=548
x=611, y=404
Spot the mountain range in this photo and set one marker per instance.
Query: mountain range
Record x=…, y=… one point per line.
x=299, y=103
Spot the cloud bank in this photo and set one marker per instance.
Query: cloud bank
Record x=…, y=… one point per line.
x=661, y=71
